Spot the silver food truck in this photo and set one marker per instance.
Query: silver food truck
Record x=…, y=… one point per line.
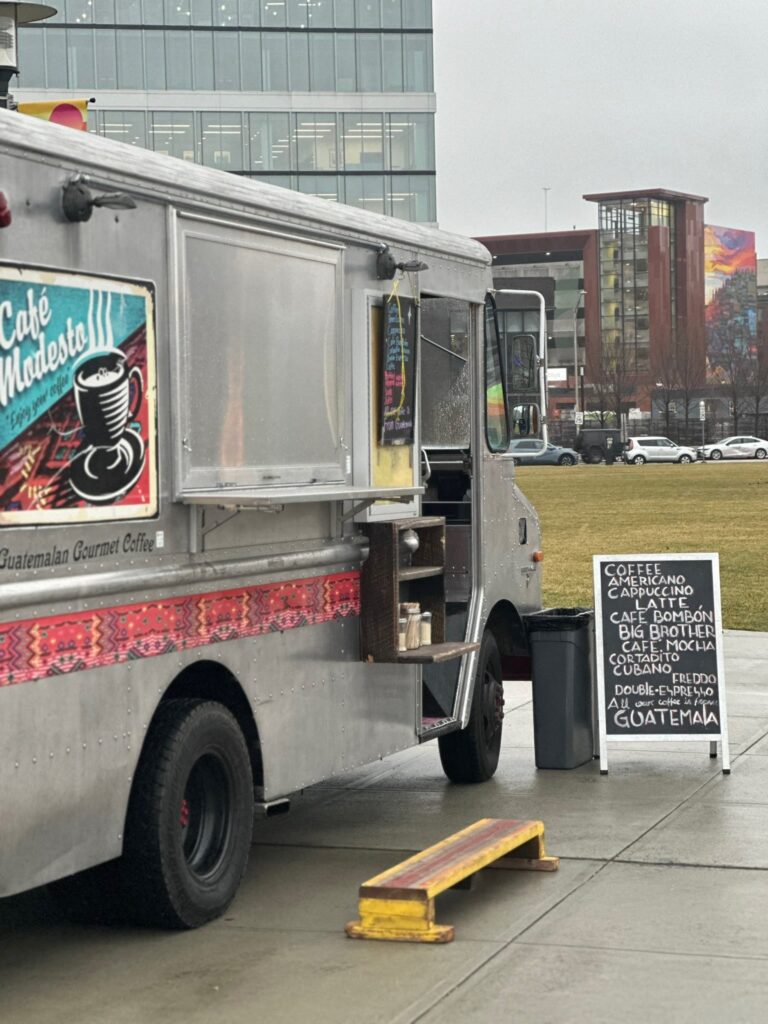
x=258, y=523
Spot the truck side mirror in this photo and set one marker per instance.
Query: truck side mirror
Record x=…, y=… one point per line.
x=525, y=420
x=519, y=354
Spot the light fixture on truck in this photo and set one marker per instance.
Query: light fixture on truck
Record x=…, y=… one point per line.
x=78, y=201
x=387, y=267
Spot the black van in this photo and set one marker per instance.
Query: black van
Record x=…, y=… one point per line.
x=595, y=444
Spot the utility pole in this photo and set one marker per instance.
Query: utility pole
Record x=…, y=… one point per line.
x=579, y=297
x=545, y=191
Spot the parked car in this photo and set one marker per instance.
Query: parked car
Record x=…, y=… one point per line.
x=743, y=447
x=597, y=443
x=656, y=449
x=530, y=452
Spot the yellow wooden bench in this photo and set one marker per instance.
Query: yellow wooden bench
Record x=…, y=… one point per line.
x=399, y=904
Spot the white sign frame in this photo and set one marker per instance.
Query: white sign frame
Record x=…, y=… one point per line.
x=714, y=559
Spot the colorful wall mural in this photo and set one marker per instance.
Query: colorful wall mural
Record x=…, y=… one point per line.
x=730, y=266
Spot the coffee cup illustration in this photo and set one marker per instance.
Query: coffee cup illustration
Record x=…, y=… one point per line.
x=103, y=397
x=112, y=457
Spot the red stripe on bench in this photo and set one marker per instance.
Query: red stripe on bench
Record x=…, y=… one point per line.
x=421, y=874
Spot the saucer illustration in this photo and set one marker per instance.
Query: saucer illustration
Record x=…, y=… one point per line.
x=100, y=475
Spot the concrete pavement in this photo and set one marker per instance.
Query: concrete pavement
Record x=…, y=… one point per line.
x=658, y=912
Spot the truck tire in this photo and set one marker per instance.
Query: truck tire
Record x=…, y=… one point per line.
x=190, y=817
x=472, y=754
x=595, y=456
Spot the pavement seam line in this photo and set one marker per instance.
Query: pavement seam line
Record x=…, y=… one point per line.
x=639, y=949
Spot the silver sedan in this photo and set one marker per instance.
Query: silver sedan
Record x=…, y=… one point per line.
x=742, y=447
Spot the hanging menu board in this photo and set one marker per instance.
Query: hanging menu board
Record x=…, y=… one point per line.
x=659, y=658
x=398, y=371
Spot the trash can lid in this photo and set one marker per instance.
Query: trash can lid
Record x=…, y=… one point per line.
x=559, y=618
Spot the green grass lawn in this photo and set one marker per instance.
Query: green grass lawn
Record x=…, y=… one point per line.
x=606, y=510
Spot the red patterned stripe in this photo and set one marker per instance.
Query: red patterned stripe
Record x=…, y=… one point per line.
x=36, y=648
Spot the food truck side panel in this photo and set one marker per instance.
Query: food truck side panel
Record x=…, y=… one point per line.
x=202, y=589
x=72, y=739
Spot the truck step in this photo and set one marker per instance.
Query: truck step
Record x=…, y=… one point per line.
x=399, y=904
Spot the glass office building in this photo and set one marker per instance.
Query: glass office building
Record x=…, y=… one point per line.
x=334, y=98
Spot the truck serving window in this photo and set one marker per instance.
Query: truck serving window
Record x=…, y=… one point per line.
x=496, y=423
x=259, y=358
x=445, y=405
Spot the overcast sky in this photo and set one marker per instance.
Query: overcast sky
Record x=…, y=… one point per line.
x=585, y=96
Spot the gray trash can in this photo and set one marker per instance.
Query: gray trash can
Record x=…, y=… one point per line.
x=562, y=659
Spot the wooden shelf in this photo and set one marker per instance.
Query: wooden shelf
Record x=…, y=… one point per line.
x=420, y=572
x=385, y=584
x=431, y=653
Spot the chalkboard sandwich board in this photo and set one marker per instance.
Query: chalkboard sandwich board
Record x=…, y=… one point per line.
x=659, y=638
x=398, y=371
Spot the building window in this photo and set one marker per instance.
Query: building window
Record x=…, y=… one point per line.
x=178, y=56
x=324, y=186
x=32, y=58
x=202, y=65
x=275, y=62
x=346, y=78
x=270, y=142
x=412, y=197
x=81, y=59
x=225, y=12
x=411, y=142
x=56, y=58
x=226, y=61
x=368, y=14
x=363, y=142
x=130, y=60
x=365, y=191
x=321, y=62
x=391, y=13
x=368, y=63
x=222, y=138
x=106, y=60
x=345, y=13
x=417, y=14
x=392, y=63
x=124, y=126
x=273, y=13
x=316, y=142
x=417, y=61
x=298, y=58
x=174, y=134
x=154, y=56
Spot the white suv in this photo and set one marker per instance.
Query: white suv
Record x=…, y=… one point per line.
x=656, y=449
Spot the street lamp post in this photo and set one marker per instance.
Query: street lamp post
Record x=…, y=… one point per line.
x=546, y=191
x=19, y=12
x=579, y=297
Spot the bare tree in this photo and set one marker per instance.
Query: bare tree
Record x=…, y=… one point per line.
x=664, y=377
x=619, y=374
x=690, y=370
x=758, y=376
x=598, y=381
x=735, y=364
